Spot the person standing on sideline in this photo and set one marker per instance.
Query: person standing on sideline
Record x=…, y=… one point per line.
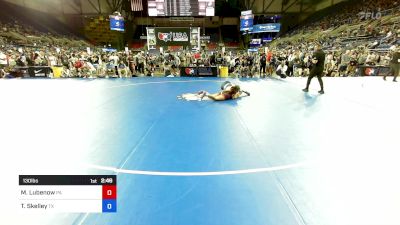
x=263, y=65
x=270, y=63
x=318, y=62
x=394, y=64
x=114, y=61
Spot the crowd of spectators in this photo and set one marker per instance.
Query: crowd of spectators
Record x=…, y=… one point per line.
x=97, y=63
x=361, y=33
x=295, y=61
x=348, y=39
x=23, y=46
x=374, y=24
x=288, y=61
x=353, y=12
x=15, y=33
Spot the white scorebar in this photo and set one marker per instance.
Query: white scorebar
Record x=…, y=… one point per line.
x=65, y=205
x=67, y=193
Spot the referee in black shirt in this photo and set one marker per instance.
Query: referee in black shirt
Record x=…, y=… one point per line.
x=395, y=64
x=318, y=60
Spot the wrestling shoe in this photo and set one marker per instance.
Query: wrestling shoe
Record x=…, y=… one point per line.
x=202, y=96
x=247, y=93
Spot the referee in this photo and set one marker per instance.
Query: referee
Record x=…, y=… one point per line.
x=394, y=64
x=318, y=60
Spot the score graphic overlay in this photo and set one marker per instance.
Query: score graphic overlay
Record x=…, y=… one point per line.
x=68, y=193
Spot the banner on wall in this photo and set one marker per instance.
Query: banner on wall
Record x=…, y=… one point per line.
x=151, y=38
x=267, y=39
x=171, y=36
x=256, y=41
x=195, y=38
x=246, y=13
x=205, y=38
x=268, y=27
x=199, y=71
x=373, y=70
x=252, y=50
x=39, y=71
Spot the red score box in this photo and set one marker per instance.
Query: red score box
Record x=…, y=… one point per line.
x=109, y=191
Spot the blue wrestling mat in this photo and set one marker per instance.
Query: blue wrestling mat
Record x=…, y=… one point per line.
x=278, y=157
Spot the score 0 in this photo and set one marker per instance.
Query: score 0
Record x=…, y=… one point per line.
x=109, y=198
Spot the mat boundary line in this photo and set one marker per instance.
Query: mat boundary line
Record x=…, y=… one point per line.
x=195, y=174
